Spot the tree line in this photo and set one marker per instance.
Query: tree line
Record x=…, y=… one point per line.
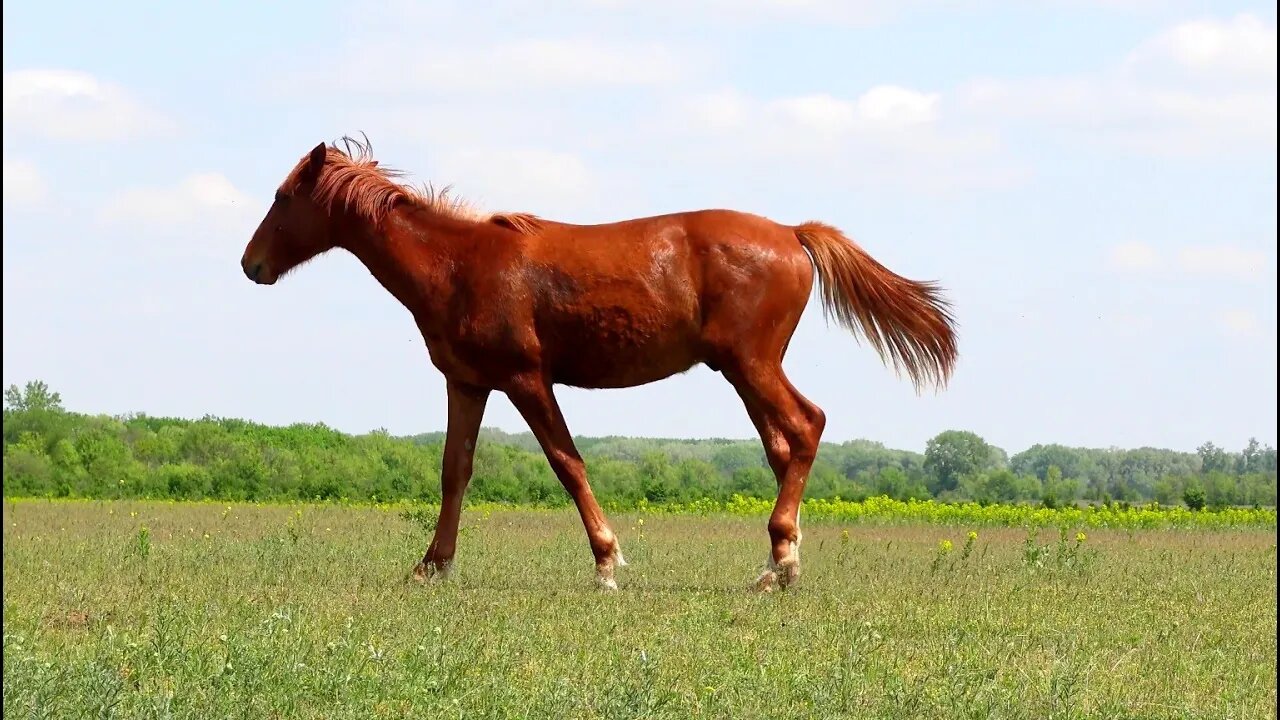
x=49, y=451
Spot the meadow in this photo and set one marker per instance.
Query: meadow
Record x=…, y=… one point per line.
x=131, y=608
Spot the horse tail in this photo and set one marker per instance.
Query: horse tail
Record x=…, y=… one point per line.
x=906, y=320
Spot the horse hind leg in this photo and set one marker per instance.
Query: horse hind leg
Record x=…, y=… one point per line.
x=790, y=427
x=816, y=424
x=777, y=452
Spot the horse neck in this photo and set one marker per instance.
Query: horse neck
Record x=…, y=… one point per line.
x=411, y=255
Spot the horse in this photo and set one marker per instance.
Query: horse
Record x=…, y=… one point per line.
x=516, y=303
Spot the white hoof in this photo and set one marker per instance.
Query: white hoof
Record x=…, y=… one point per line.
x=788, y=573
x=780, y=574
x=605, y=569
x=766, y=583
x=789, y=568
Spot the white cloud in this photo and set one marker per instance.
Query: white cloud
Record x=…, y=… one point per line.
x=847, y=13
x=199, y=202
x=887, y=135
x=535, y=64
x=1132, y=256
x=844, y=12
x=1200, y=87
x=719, y=110
x=1208, y=260
x=23, y=183
x=1239, y=322
x=882, y=108
x=889, y=106
x=584, y=62
x=518, y=179
x=821, y=113
x=1222, y=260
x=1242, y=46
x=73, y=105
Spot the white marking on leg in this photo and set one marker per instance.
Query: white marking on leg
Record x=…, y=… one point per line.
x=789, y=567
x=604, y=576
x=768, y=578
x=605, y=570
x=785, y=572
x=766, y=581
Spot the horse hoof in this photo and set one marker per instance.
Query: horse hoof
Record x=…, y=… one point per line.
x=424, y=573
x=766, y=583
x=420, y=574
x=788, y=574
x=605, y=570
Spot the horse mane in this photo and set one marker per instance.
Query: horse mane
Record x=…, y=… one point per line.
x=353, y=179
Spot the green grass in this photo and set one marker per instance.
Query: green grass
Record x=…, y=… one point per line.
x=304, y=612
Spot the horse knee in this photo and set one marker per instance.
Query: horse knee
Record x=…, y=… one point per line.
x=783, y=528
x=819, y=420
x=808, y=436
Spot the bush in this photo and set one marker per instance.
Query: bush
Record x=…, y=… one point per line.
x=1194, y=497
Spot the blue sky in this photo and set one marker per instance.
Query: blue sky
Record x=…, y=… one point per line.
x=1093, y=181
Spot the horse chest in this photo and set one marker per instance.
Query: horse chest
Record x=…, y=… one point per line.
x=483, y=354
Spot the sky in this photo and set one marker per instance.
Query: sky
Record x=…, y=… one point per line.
x=1093, y=182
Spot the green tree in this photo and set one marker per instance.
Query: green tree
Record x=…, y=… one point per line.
x=1250, y=457
x=1002, y=486
x=35, y=396
x=1220, y=489
x=1214, y=458
x=1166, y=490
x=50, y=451
x=954, y=454
x=658, y=478
x=1193, y=495
x=893, y=482
x=28, y=470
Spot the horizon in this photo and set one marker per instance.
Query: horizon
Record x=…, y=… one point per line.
x=484, y=428
x=1092, y=184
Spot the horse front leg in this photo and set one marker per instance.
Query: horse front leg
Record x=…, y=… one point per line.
x=466, y=410
x=533, y=398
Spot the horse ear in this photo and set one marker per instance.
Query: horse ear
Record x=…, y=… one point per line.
x=315, y=163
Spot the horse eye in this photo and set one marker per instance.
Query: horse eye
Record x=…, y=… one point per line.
x=279, y=228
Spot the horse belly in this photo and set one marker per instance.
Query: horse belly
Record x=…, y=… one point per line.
x=613, y=348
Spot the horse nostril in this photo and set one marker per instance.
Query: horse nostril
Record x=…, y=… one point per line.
x=252, y=271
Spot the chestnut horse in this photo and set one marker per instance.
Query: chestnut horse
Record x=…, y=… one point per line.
x=517, y=303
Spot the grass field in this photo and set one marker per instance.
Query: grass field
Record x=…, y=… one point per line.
x=132, y=609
